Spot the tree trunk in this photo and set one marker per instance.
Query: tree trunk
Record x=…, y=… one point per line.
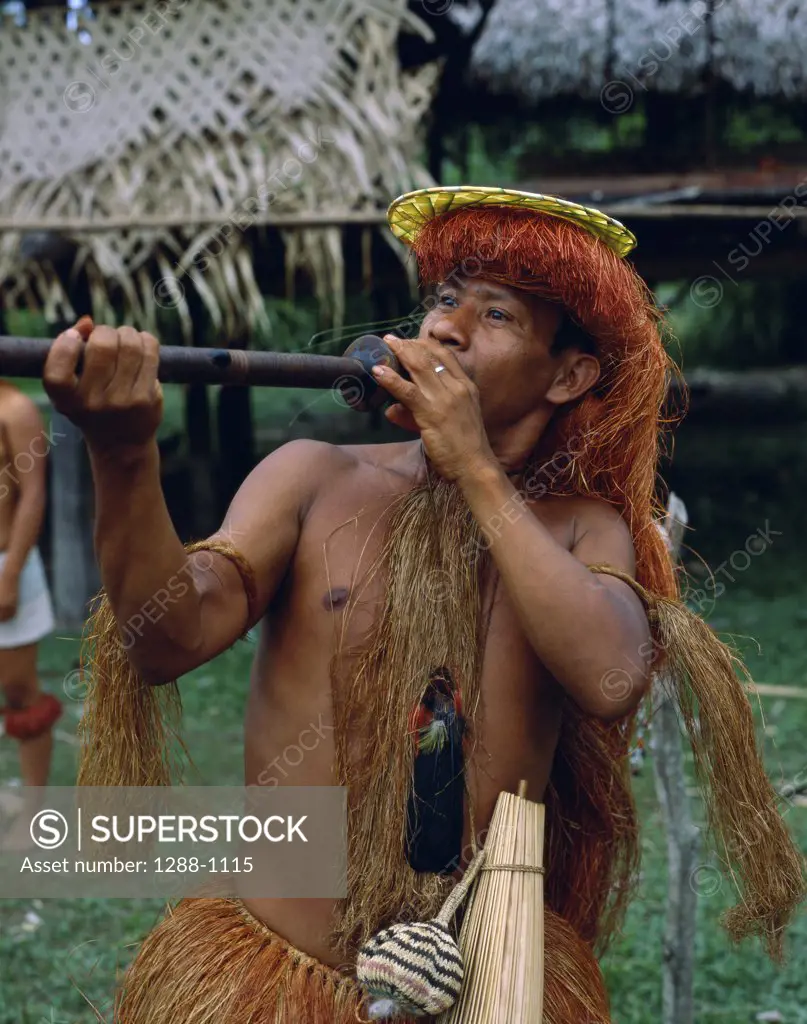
x=454, y=46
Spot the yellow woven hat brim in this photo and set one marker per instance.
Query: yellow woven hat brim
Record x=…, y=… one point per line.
x=408, y=213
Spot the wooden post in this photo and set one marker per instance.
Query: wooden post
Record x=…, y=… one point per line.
x=75, y=573
x=198, y=430
x=683, y=838
x=75, y=576
x=236, y=443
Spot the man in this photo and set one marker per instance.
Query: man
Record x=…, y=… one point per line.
x=447, y=571
x=26, y=616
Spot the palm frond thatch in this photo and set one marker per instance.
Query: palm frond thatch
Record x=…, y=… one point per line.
x=210, y=115
x=542, y=48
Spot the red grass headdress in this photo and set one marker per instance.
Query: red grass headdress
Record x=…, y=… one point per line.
x=612, y=436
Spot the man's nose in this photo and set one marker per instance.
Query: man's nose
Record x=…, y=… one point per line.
x=451, y=329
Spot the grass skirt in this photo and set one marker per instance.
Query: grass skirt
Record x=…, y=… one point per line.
x=211, y=962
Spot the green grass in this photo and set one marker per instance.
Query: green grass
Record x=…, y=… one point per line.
x=47, y=976
x=766, y=618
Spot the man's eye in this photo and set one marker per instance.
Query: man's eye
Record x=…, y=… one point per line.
x=446, y=300
x=498, y=314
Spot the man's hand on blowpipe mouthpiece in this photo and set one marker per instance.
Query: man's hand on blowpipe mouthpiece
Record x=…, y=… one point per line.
x=442, y=405
x=116, y=400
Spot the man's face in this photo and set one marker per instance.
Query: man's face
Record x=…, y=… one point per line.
x=502, y=338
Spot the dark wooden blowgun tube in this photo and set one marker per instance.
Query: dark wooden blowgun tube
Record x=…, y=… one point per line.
x=350, y=373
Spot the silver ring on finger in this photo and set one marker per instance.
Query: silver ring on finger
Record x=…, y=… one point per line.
x=439, y=369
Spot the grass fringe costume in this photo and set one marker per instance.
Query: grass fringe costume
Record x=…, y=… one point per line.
x=208, y=961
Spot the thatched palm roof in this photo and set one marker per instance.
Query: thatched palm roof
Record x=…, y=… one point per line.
x=538, y=49
x=192, y=122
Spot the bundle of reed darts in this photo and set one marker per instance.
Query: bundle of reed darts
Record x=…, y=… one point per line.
x=502, y=934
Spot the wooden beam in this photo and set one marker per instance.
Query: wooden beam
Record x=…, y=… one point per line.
x=775, y=395
x=670, y=211
x=314, y=219
x=659, y=259
x=164, y=222
x=774, y=690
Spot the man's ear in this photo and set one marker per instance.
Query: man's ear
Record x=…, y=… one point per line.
x=577, y=374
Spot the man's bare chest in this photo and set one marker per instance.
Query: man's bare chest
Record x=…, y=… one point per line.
x=340, y=583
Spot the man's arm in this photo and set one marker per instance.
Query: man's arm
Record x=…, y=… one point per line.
x=174, y=611
x=590, y=630
x=28, y=448
x=177, y=611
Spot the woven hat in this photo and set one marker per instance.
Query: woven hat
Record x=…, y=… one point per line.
x=408, y=213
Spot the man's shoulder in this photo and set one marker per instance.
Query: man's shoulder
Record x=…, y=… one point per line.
x=581, y=505
x=309, y=467
x=394, y=456
x=587, y=513
x=305, y=452
x=597, y=510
